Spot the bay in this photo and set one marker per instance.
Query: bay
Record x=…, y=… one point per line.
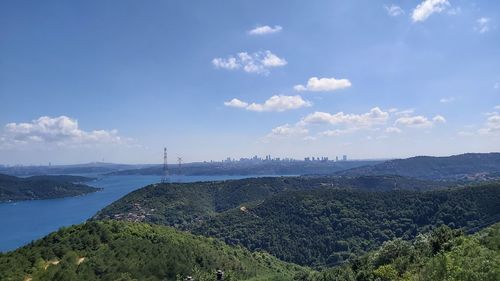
x=25, y=221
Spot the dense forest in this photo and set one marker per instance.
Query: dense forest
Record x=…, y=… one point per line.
x=327, y=227
x=42, y=187
x=442, y=254
x=470, y=166
x=111, y=250
x=178, y=204
x=311, y=220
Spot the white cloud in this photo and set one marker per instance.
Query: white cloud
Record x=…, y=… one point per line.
x=427, y=8
x=265, y=29
x=350, y=123
x=373, y=117
x=482, y=25
x=393, y=130
x=230, y=63
x=492, y=125
x=497, y=107
x=336, y=132
x=414, y=121
x=309, y=138
x=288, y=130
x=447, y=100
x=272, y=60
x=405, y=112
x=259, y=62
x=276, y=103
x=236, y=103
x=419, y=121
x=496, y=86
x=315, y=84
x=394, y=10
x=60, y=130
x=438, y=119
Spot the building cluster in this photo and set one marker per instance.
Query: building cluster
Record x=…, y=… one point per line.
x=268, y=158
x=324, y=159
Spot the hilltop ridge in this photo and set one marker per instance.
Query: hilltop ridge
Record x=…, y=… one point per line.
x=469, y=167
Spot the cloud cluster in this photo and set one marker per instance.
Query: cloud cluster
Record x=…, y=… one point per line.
x=340, y=123
x=419, y=121
x=393, y=130
x=482, y=25
x=373, y=117
x=394, y=10
x=492, y=125
x=265, y=29
x=259, y=62
x=315, y=84
x=288, y=130
x=60, y=130
x=345, y=123
x=447, y=100
x=277, y=103
x=427, y=8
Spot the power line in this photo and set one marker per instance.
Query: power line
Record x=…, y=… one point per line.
x=165, y=177
x=179, y=161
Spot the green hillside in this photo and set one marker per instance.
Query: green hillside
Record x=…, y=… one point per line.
x=111, y=250
x=309, y=221
x=328, y=226
x=42, y=187
x=180, y=205
x=440, y=255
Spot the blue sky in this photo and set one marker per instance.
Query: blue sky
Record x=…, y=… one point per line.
x=118, y=80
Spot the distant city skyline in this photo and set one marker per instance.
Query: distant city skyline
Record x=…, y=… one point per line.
x=119, y=80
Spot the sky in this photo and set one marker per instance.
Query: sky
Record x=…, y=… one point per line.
x=116, y=81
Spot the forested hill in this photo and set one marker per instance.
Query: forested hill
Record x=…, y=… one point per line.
x=308, y=220
x=134, y=251
x=326, y=226
x=442, y=254
x=182, y=203
x=42, y=187
x=470, y=166
x=123, y=251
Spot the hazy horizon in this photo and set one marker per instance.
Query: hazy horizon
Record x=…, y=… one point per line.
x=85, y=81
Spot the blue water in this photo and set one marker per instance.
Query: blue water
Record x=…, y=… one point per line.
x=22, y=222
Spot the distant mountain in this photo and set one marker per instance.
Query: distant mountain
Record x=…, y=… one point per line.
x=470, y=166
x=133, y=251
x=251, y=167
x=309, y=220
x=42, y=187
x=87, y=168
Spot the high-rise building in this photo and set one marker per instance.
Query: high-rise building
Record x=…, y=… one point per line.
x=344, y=158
